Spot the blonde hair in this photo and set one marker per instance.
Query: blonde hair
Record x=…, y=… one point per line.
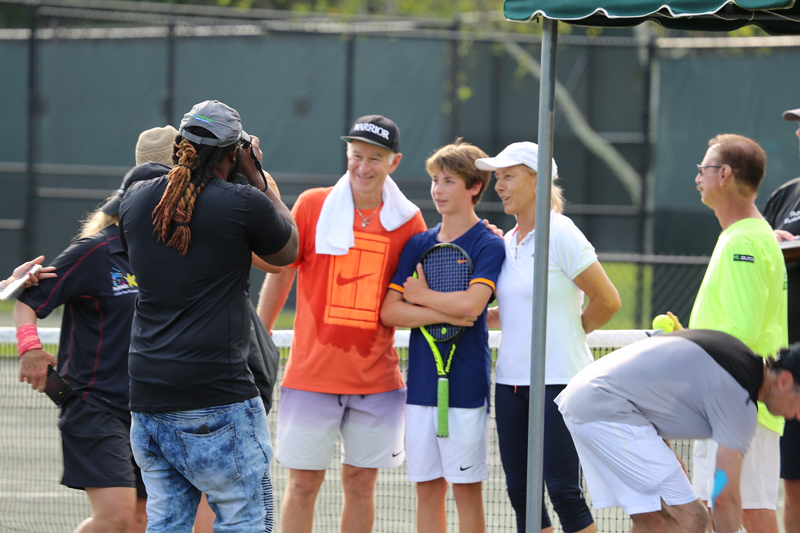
x=95, y=222
x=557, y=199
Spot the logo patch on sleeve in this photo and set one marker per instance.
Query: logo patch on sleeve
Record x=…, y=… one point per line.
x=745, y=258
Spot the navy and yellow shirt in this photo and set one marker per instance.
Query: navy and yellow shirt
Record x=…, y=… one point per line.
x=95, y=284
x=469, y=372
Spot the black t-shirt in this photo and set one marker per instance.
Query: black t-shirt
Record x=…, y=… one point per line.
x=783, y=212
x=191, y=328
x=97, y=288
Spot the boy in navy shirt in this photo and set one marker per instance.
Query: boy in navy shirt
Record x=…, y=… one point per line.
x=462, y=458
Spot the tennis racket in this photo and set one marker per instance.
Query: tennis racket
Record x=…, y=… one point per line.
x=447, y=268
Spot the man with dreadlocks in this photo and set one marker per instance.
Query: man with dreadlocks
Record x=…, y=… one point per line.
x=199, y=424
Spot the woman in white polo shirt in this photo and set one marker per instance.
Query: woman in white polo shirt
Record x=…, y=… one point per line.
x=573, y=272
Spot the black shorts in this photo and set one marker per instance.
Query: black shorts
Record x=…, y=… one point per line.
x=790, y=450
x=97, y=449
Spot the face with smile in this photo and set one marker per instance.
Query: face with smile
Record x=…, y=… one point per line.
x=516, y=187
x=449, y=192
x=368, y=166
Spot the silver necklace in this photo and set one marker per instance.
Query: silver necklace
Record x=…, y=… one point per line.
x=365, y=221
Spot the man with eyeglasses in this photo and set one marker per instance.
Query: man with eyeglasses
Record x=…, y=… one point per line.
x=743, y=294
x=783, y=214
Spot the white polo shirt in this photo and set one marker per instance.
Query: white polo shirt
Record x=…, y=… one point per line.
x=566, y=352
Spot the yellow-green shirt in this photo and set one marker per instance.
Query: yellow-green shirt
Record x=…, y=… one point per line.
x=744, y=294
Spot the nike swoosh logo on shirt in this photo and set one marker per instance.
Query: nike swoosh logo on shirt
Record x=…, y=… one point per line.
x=461, y=261
x=341, y=280
x=396, y=454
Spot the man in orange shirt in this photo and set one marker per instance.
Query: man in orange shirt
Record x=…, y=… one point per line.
x=342, y=376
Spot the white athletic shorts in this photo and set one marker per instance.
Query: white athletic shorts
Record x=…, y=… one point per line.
x=463, y=457
x=760, y=469
x=371, y=427
x=630, y=467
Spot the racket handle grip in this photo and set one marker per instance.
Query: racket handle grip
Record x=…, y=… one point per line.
x=443, y=406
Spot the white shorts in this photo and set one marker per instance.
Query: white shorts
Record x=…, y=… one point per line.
x=371, y=426
x=630, y=467
x=760, y=469
x=463, y=457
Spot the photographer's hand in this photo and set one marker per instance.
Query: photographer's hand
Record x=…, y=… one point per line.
x=251, y=165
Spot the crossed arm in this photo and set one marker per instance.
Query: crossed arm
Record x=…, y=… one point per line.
x=418, y=305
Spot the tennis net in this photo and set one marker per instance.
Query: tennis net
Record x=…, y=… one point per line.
x=32, y=500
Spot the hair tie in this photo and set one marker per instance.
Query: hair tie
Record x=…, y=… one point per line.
x=181, y=224
x=185, y=166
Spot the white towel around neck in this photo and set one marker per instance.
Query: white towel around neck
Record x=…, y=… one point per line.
x=335, y=225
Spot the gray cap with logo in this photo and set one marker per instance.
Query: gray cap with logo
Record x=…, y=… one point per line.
x=221, y=120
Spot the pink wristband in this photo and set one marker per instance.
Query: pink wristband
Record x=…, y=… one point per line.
x=27, y=339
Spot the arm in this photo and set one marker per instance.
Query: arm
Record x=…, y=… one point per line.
x=396, y=312
x=273, y=295
x=603, y=297
x=270, y=181
x=264, y=266
x=33, y=363
x=493, y=318
x=468, y=303
x=783, y=235
x=288, y=253
x=33, y=279
x=727, y=514
x=260, y=179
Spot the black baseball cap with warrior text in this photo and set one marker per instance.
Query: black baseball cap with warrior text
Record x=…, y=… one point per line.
x=377, y=130
x=220, y=119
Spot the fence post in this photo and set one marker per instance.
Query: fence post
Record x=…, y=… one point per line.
x=28, y=247
x=169, y=91
x=349, y=73
x=453, y=96
x=645, y=208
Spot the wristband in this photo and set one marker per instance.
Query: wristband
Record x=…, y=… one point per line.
x=27, y=339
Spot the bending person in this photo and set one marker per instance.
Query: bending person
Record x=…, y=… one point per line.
x=573, y=272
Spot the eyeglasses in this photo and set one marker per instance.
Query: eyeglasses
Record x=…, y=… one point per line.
x=700, y=167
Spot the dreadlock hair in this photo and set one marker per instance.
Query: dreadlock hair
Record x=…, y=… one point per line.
x=194, y=166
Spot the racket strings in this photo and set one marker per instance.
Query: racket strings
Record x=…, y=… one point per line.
x=447, y=269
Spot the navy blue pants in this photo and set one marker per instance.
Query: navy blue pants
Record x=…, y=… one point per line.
x=562, y=470
x=790, y=450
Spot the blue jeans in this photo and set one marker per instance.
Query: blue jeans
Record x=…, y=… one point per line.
x=221, y=451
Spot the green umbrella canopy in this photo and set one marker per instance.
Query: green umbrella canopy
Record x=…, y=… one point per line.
x=777, y=17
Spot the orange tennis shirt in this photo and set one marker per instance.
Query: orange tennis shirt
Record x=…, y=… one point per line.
x=339, y=344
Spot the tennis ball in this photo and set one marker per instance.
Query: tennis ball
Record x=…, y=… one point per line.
x=664, y=323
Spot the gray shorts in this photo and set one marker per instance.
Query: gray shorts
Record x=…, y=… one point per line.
x=371, y=427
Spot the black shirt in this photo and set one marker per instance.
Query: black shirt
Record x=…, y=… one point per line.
x=191, y=328
x=783, y=212
x=95, y=284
